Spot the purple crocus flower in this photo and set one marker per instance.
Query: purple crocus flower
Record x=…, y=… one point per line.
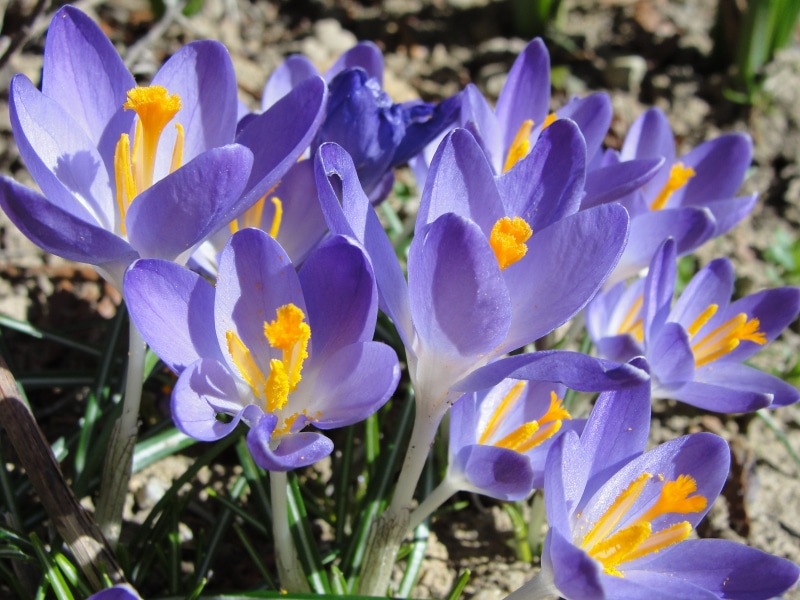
x=691, y=198
x=476, y=289
x=276, y=349
x=128, y=171
x=620, y=518
x=509, y=131
x=118, y=592
x=696, y=347
x=499, y=437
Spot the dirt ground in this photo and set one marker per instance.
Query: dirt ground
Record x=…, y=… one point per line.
x=642, y=53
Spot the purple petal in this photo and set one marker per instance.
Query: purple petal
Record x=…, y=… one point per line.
x=457, y=294
x=727, y=569
x=713, y=284
x=635, y=585
x=201, y=73
x=293, y=451
x=546, y=293
x=547, y=185
x=289, y=74
x=118, y=592
x=717, y=398
x=742, y=378
x=352, y=383
x=775, y=310
x=593, y=117
x=288, y=126
x=340, y=294
x=173, y=308
x=671, y=356
x=460, y=181
x=616, y=181
x=659, y=289
x=720, y=166
x=59, y=155
x=565, y=475
x=365, y=55
x=495, y=472
x=176, y=213
x=728, y=213
x=354, y=216
x=255, y=279
x=650, y=136
x=59, y=232
x=526, y=92
x=204, y=389
x=574, y=369
x=478, y=117
x=619, y=348
x=576, y=574
x=83, y=72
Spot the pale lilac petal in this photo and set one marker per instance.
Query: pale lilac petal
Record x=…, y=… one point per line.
x=204, y=389
x=293, y=451
x=59, y=155
x=289, y=74
x=460, y=181
x=592, y=114
x=775, y=310
x=565, y=265
x=175, y=214
x=742, y=378
x=650, y=136
x=84, y=73
x=495, y=472
x=658, y=290
x=60, y=232
x=478, y=117
x=248, y=293
x=616, y=181
x=172, y=308
x=576, y=574
x=636, y=585
x=340, y=294
x=566, y=472
x=352, y=383
x=713, y=284
x=365, y=55
x=717, y=398
x=526, y=92
x=547, y=185
x=201, y=73
x=729, y=212
x=720, y=166
x=457, y=294
x=672, y=360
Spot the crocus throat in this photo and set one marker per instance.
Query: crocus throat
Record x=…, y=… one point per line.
x=508, y=239
x=679, y=176
x=522, y=145
x=613, y=547
x=530, y=434
x=723, y=339
x=253, y=215
x=133, y=169
x=633, y=323
x=287, y=333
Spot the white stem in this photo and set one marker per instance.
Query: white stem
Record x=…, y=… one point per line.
x=538, y=588
x=290, y=572
x=438, y=497
x=118, y=463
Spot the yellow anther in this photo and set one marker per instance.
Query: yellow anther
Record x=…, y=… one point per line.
x=123, y=174
x=544, y=433
x=726, y=338
x=520, y=146
x=519, y=436
x=660, y=540
x=702, y=319
x=501, y=411
x=248, y=369
x=549, y=120
x=276, y=387
x=177, y=149
x=508, y=239
x=155, y=108
x=676, y=497
x=615, y=549
x=633, y=323
x=290, y=334
x=277, y=218
x=679, y=176
x=609, y=520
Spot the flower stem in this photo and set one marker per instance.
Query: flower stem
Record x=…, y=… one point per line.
x=290, y=572
x=437, y=497
x=117, y=466
x=388, y=532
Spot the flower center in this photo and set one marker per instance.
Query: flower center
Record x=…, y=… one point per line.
x=287, y=333
x=633, y=323
x=508, y=239
x=530, y=434
x=252, y=217
x=725, y=338
x=614, y=547
x=133, y=170
x=522, y=144
x=679, y=176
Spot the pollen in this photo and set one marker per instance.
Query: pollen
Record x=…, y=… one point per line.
x=290, y=334
x=520, y=146
x=246, y=365
x=277, y=386
x=679, y=176
x=508, y=239
x=154, y=105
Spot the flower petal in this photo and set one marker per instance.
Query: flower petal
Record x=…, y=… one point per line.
x=293, y=450
x=287, y=76
x=613, y=182
x=592, y=114
x=720, y=166
x=742, y=378
x=495, y=472
x=365, y=55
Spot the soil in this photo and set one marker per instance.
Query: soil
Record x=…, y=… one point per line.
x=642, y=53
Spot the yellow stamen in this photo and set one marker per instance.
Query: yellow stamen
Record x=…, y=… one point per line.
x=541, y=435
x=726, y=338
x=633, y=323
x=614, y=550
x=155, y=108
x=702, y=319
x=290, y=334
x=276, y=220
x=676, y=498
x=177, y=149
x=520, y=146
x=123, y=174
x=556, y=410
x=501, y=411
x=277, y=386
x=508, y=239
x=519, y=436
x=531, y=434
x=606, y=523
x=661, y=539
x=549, y=120
x=679, y=176
x=244, y=362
